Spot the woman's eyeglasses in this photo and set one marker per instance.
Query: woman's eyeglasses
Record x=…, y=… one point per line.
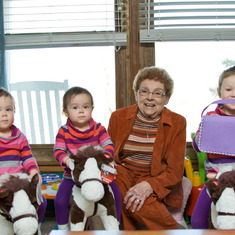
x=156, y=94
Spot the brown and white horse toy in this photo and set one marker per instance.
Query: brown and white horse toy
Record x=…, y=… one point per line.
x=90, y=196
x=19, y=201
x=222, y=193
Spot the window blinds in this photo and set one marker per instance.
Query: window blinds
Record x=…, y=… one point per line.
x=63, y=22
x=40, y=16
x=187, y=20
x=51, y=23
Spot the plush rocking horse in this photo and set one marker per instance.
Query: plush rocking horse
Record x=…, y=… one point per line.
x=19, y=200
x=222, y=193
x=90, y=195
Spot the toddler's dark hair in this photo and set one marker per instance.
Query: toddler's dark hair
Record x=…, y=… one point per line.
x=70, y=93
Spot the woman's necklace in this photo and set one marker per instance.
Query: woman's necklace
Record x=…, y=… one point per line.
x=150, y=128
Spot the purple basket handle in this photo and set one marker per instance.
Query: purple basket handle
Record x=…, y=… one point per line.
x=227, y=101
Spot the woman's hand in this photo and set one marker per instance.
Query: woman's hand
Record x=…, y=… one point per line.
x=137, y=195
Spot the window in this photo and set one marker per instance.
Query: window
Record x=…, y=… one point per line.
x=186, y=20
x=89, y=67
x=65, y=39
x=76, y=40
x=60, y=23
x=192, y=39
x=195, y=68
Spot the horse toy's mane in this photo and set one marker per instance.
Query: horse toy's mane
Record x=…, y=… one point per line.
x=11, y=183
x=18, y=182
x=91, y=151
x=90, y=196
x=222, y=193
x=85, y=153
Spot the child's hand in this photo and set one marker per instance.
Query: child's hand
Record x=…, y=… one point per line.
x=66, y=161
x=34, y=172
x=211, y=175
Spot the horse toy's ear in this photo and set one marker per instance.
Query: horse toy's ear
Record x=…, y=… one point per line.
x=3, y=193
x=35, y=179
x=35, y=184
x=107, y=158
x=71, y=165
x=72, y=156
x=212, y=186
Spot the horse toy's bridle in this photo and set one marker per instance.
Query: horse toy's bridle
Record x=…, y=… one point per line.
x=79, y=184
x=8, y=217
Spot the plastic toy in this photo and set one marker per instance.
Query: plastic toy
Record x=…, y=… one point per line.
x=201, y=157
x=197, y=185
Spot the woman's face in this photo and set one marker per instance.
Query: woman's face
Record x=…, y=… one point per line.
x=227, y=91
x=149, y=105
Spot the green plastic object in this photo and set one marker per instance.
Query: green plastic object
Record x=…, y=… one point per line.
x=202, y=171
x=201, y=157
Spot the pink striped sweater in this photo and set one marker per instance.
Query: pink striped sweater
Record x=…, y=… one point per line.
x=15, y=154
x=69, y=139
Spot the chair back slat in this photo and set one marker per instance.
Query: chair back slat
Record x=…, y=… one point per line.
x=40, y=117
x=31, y=116
x=49, y=113
x=39, y=113
x=21, y=107
x=58, y=111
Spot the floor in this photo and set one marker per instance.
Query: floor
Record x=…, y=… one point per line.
x=48, y=224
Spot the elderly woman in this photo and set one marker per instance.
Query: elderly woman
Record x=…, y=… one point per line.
x=149, y=142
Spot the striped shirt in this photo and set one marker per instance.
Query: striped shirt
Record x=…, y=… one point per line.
x=15, y=154
x=137, y=152
x=69, y=139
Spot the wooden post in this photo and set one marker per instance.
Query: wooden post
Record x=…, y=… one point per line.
x=130, y=58
x=133, y=45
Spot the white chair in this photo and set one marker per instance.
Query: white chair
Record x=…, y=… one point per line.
x=38, y=109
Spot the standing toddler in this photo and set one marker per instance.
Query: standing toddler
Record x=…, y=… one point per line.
x=215, y=164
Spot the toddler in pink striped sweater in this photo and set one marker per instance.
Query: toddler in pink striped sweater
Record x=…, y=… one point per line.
x=15, y=152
